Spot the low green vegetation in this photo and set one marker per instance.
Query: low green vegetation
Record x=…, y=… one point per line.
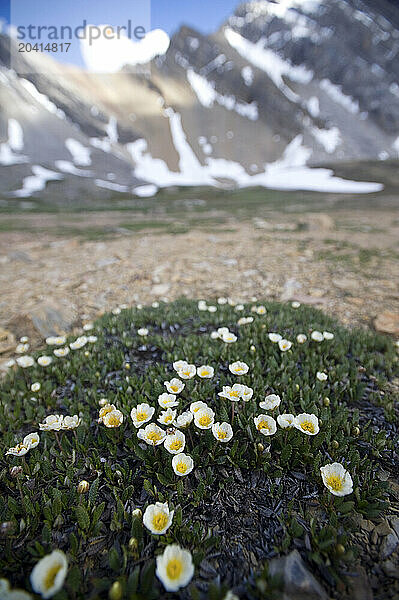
x=245, y=501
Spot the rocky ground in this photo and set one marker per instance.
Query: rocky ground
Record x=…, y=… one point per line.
x=345, y=262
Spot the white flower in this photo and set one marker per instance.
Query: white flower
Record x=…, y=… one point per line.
x=232, y=393
x=214, y=335
x=52, y=423
x=12, y=594
x=142, y=413
x=270, y=402
x=229, y=337
x=284, y=345
x=116, y=311
x=222, y=301
x=44, y=361
x=275, y=337
x=184, y=420
x=223, y=432
x=155, y=304
x=204, y=418
x=231, y=596
x=143, y=331
x=22, y=348
x=175, y=568
x=10, y=363
x=182, y=464
x=246, y=393
x=175, y=442
x=71, y=422
x=152, y=434
x=25, y=361
x=18, y=450
x=167, y=416
x=158, y=518
x=92, y=339
x=307, y=423
x=60, y=352
x=245, y=321
x=58, y=340
x=139, y=307
x=106, y=408
x=202, y=305
x=337, y=479
x=187, y=372
x=238, y=368
x=174, y=386
x=78, y=343
x=24, y=339
x=166, y=400
x=261, y=310
x=48, y=575
x=286, y=421
x=295, y=304
x=321, y=376
x=88, y=326
x=35, y=387
x=113, y=419
x=179, y=364
x=212, y=309
x=328, y=335
x=265, y=424
x=301, y=338
x=205, y=372
x=239, y=307
x=222, y=331
x=196, y=406
x=317, y=336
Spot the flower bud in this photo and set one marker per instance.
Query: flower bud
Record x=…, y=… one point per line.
x=356, y=431
x=340, y=548
x=127, y=366
x=133, y=544
x=87, y=353
x=137, y=513
x=116, y=591
x=335, y=444
x=326, y=401
x=15, y=471
x=7, y=528
x=103, y=402
x=252, y=349
x=260, y=447
x=83, y=487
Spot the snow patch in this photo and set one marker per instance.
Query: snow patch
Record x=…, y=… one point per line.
x=80, y=154
x=395, y=145
x=313, y=106
x=328, y=138
x=248, y=75
x=42, y=98
x=116, y=187
x=36, y=182
x=67, y=167
x=112, y=129
x=269, y=62
x=14, y=144
x=336, y=94
x=145, y=191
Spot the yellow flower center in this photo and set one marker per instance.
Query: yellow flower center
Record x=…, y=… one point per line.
x=187, y=373
x=234, y=394
x=174, y=388
x=141, y=416
x=176, y=445
x=174, y=568
x=205, y=372
x=113, y=420
x=50, y=576
x=222, y=435
x=307, y=426
x=263, y=425
x=335, y=482
x=181, y=467
x=154, y=437
x=159, y=521
x=167, y=418
x=205, y=420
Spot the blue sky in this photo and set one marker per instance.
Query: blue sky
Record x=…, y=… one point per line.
x=204, y=15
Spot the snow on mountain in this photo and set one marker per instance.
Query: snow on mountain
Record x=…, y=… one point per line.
x=283, y=88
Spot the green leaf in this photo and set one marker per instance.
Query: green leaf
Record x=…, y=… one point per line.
x=82, y=517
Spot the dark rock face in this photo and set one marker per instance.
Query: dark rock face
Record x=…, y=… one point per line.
x=319, y=77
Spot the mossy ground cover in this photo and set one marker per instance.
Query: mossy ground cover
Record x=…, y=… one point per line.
x=245, y=502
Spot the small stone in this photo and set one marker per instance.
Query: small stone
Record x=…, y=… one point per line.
x=160, y=289
x=7, y=341
x=389, y=545
x=299, y=583
x=387, y=322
